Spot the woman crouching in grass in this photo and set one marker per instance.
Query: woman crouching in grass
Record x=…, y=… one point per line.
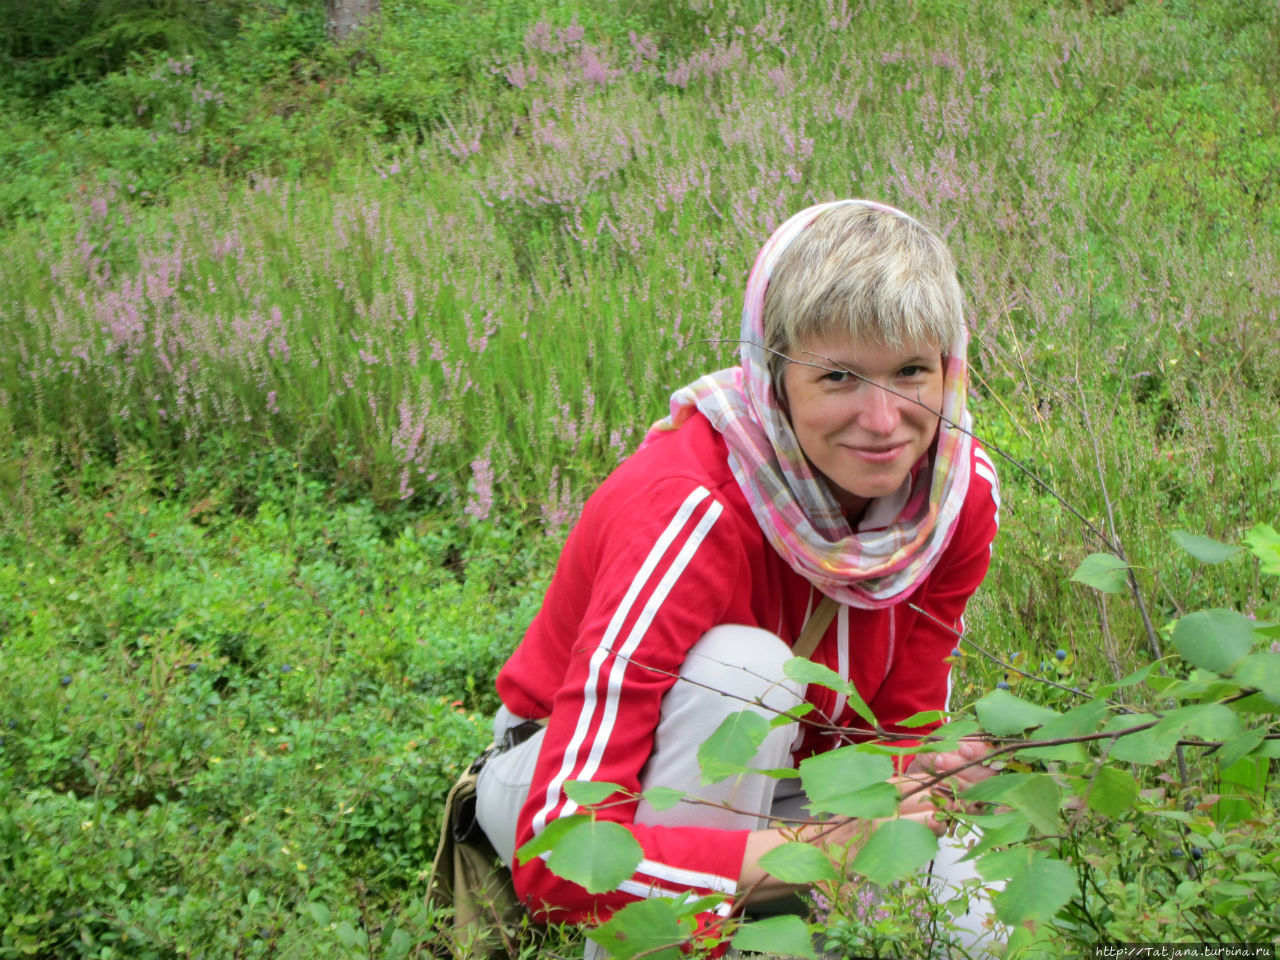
x=826, y=465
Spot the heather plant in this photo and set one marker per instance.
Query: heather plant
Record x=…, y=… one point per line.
x=462, y=316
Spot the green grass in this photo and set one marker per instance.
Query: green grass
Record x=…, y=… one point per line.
x=246, y=689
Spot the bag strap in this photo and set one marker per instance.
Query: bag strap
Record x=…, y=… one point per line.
x=815, y=627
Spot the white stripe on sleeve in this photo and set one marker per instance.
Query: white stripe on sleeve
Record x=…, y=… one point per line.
x=585, y=718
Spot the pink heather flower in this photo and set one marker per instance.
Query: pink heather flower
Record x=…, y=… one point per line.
x=680, y=75
x=643, y=50
x=539, y=38
x=594, y=70
x=481, y=500
x=519, y=76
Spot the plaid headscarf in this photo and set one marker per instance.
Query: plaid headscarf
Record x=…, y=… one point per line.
x=796, y=510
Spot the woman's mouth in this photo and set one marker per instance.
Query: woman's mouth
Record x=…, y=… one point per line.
x=877, y=454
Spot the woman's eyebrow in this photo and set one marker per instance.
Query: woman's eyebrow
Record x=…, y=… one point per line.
x=826, y=363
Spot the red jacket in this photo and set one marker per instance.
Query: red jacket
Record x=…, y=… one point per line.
x=666, y=549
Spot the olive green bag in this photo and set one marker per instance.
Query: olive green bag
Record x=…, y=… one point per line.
x=467, y=875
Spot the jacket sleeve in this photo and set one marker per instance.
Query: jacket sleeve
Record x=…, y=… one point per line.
x=661, y=567
x=920, y=676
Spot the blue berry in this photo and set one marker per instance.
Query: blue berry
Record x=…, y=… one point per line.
x=955, y=651
x=1002, y=685
x=1060, y=654
x=139, y=725
x=12, y=724
x=66, y=680
x=285, y=668
x=1196, y=853
x=1178, y=854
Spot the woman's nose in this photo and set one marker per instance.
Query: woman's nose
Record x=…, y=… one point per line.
x=879, y=413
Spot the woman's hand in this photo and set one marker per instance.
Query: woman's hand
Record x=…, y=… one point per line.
x=837, y=832
x=962, y=766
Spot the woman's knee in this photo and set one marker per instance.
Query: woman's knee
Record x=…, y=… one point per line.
x=743, y=665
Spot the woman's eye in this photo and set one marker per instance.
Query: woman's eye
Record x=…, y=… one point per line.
x=837, y=376
x=911, y=371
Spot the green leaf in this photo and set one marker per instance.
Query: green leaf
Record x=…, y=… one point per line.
x=1036, y=892
x=895, y=849
x=784, y=936
x=993, y=789
x=346, y=934
x=1152, y=745
x=663, y=798
x=947, y=736
x=1261, y=670
x=798, y=863
x=1238, y=747
x=1039, y=797
x=1265, y=544
x=837, y=782
x=399, y=945
x=1076, y=721
x=587, y=793
x=998, y=830
x=1111, y=792
x=1102, y=571
x=1204, y=549
x=922, y=719
x=1062, y=753
x=1269, y=749
x=792, y=715
x=320, y=913
x=729, y=750
x=690, y=905
x=550, y=836
x=597, y=855
x=1211, y=721
x=1129, y=680
x=643, y=926
x=1003, y=714
x=1006, y=864
x=803, y=670
x=1213, y=639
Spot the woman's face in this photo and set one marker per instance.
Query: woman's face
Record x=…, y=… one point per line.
x=860, y=437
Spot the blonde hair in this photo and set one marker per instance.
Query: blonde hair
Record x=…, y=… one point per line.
x=867, y=271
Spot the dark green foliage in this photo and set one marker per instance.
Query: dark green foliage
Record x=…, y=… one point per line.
x=224, y=692
x=53, y=44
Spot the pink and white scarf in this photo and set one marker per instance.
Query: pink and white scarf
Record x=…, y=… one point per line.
x=867, y=568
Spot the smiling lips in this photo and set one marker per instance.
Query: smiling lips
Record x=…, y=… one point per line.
x=877, y=454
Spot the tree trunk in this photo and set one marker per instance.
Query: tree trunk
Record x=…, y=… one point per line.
x=344, y=16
